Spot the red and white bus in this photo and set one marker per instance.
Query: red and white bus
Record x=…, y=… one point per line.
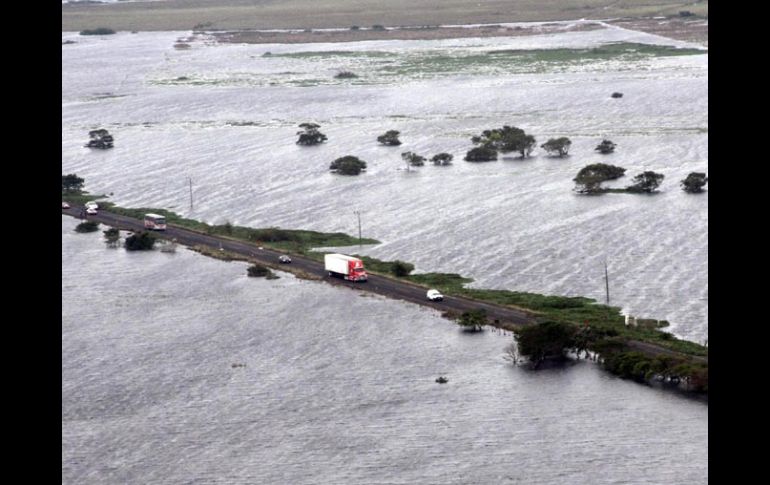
x=154, y=222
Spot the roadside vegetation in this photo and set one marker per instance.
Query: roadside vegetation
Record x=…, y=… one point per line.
x=259, y=271
x=141, y=241
x=112, y=237
x=87, y=226
x=473, y=320
x=554, y=340
x=296, y=241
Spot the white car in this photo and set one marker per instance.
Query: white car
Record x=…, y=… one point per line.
x=91, y=210
x=284, y=259
x=65, y=205
x=91, y=205
x=434, y=295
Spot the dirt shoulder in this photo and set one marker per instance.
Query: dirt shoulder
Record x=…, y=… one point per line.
x=680, y=28
x=404, y=33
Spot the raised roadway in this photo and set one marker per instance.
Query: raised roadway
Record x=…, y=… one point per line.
x=499, y=316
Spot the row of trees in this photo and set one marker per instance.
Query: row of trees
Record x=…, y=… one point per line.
x=590, y=178
x=351, y=165
x=415, y=160
x=552, y=340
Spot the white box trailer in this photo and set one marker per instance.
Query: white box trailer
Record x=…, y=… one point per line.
x=345, y=267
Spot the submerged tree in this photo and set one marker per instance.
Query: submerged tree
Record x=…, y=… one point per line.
x=590, y=177
x=98, y=31
x=100, y=138
x=112, y=237
x=71, y=183
x=390, y=138
x=142, y=241
x=348, y=165
x=545, y=340
x=605, y=147
x=87, y=226
x=646, y=182
x=442, y=159
x=506, y=139
x=481, y=154
x=557, y=146
x=413, y=159
x=310, y=134
x=694, y=182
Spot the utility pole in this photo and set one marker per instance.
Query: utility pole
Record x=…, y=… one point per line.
x=191, y=195
x=607, y=281
x=358, y=214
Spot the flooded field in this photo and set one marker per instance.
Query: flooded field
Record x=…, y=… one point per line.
x=181, y=369
x=226, y=116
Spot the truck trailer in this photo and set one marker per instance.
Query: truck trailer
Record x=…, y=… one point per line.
x=345, y=267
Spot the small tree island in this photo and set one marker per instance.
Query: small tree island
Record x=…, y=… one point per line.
x=310, y=134
x=442, y=159
x=506, y=139
x=694, y=182
x=605, y=147
x=390, y=138
x=558, y=147
x=589, y=178
x=646, y=182
x=413, y=159
x=100, y=139
x=348, y=165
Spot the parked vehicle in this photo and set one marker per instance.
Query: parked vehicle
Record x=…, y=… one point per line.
x=284, y=259
x=91, y=204
x=91, y=210
x=434, y=295
x=65, y=205
x=154, y=222
x=346, y=267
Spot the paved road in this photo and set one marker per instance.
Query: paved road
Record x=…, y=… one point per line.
x=376, y=284
x=500, y=316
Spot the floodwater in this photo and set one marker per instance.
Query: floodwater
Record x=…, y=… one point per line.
x=329, y=387
x=226, y=116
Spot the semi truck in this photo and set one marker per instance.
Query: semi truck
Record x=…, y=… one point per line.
x=345, y=267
